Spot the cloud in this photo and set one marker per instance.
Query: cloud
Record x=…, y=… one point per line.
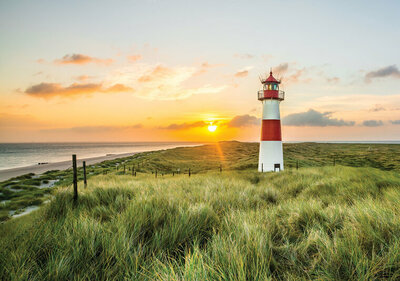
x=82, y=59
x=208, y=65
x=236, y=122
x=315, y=119
x=372, y=123
x=158, y=73
x=93, y=129
x=377, y=107
x=136, y=126
x=243, y=121
x=291, y=75
x=395, y=122
x=134, y=58
x=184, y=126
x=244, y=56
x=161, y=82
x=242, y=73
x=204, y=67
x=49, y=90
x=117, y=88
x=40, y=61
x=333, y=80
x=84, y=77
x=388, y=71
x=281, y=68
x=297, y=77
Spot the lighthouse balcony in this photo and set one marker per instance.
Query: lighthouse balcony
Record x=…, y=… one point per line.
x=271, y=94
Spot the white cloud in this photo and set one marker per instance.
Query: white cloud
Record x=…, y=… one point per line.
x=161, y=82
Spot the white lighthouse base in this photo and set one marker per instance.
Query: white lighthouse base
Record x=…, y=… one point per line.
x=271, y=155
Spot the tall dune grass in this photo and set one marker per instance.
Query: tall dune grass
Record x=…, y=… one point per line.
x=331, y=223
x=18, y=193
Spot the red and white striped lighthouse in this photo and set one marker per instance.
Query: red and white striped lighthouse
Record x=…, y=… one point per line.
x=271, y=154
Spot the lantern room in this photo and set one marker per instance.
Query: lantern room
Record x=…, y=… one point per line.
x=270, y=89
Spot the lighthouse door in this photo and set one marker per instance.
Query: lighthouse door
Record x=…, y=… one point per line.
x=277, y=166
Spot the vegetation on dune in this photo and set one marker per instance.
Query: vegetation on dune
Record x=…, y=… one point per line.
x=239, y=156
x=325, y=223
x=21, y=192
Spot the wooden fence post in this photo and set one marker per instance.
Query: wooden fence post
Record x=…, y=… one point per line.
x=156, y=173
x=75, y=177
x=334, y=161
x=220, y=168
x=297, y=164
x=84, y=174
x=133, y=170
x=189, y=172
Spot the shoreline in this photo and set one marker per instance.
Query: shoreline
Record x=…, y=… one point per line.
x=37, y=169
x=62, y=165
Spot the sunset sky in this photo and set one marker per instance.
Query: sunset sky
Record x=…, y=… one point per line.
x=164, y=70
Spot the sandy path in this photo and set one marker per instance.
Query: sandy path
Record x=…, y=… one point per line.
x=39, y=169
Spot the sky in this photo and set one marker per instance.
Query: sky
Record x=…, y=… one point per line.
x=165, y=70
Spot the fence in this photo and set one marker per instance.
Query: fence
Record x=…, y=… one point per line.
x=139, y=167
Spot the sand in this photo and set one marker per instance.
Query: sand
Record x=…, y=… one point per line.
x=39, y=169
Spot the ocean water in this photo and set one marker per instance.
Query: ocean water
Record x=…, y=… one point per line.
x=13, y=155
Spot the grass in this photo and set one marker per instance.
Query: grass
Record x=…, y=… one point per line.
x=315, y=223
x=21, y=192
x=320, y=222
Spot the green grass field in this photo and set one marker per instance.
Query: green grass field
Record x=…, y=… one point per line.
x=320, y=222
x=18, y=193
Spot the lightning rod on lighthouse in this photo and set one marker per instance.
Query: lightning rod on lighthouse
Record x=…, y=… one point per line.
x=271, y=153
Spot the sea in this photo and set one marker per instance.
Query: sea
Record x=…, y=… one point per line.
x=15, y=155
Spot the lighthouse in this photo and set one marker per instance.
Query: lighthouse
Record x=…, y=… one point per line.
x=271, y=154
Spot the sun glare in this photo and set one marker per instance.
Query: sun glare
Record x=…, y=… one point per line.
x=212, y=128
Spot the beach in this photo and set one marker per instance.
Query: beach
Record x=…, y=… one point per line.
x=62, y=165
x=23, y=158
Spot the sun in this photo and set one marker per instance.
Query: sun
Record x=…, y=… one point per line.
x=212, y=128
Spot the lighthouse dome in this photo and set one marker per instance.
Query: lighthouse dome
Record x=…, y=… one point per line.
x=270, y=79
x=270, y=89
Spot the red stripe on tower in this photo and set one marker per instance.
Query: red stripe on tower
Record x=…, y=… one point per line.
x=271, y=130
